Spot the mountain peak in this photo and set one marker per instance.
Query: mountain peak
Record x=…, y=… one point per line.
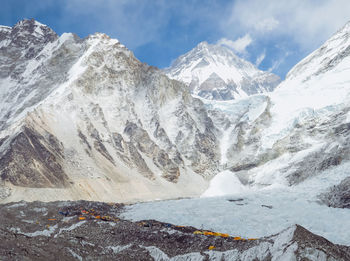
x=214, y=49
x=324, y=59
x=30, y=30
x=29, y=22
x=202, y=45
x=234, y=77
x=103, y=37
x=31, y=26
x=5, y=28
x=345, y=28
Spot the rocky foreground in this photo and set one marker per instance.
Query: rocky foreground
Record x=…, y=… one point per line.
x=84, y=230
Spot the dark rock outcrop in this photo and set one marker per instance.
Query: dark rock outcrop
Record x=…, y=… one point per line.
x=33, y=160
x=338, y=196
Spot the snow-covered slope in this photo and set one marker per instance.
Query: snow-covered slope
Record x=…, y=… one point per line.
x=255, y=213
x=215, y=72
x=298, y=131
x=83, y=118
x=286, y=156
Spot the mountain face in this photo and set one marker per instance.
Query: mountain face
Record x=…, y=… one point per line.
x=83, y=118
x=214, y=72
x=297, y=132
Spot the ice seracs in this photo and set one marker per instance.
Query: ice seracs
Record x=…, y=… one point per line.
x=299, y=130
x=215, y=72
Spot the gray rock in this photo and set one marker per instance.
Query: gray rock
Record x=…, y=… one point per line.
x=338, y=196
x=93, y=231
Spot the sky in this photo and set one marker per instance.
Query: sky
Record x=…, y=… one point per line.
x=272, y=34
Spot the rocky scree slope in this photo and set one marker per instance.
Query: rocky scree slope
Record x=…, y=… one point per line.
x=214, y=72
x=83, y=118
x=89, y=230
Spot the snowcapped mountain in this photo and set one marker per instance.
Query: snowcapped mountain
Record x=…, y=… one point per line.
x=215, y=72
x=300, y=130
x=83, y=118
x=285, y=155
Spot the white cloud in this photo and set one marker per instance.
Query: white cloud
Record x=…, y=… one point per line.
x=275, y=64
x=279, y=61
x=267, y=24
x=260, y=58
x=239, y=45
x=306, y=22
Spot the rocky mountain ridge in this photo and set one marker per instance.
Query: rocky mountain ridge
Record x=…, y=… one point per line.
x=80, y=113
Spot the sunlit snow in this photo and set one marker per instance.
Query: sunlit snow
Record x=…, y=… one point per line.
x=224, y=183
x=256, y=212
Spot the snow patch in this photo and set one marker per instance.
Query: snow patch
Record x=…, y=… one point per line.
x=75, y=255
x=224, y=183
x=46, y=232
x=72, y=227
x=158, y=255
x=22, y=204
x=118, y=249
